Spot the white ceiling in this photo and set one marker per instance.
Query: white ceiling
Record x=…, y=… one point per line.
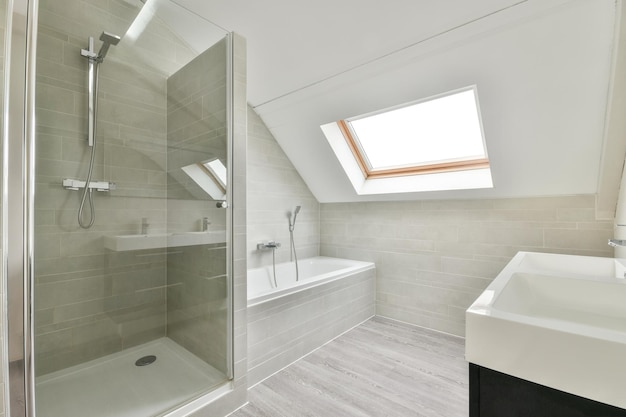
x=542, y=69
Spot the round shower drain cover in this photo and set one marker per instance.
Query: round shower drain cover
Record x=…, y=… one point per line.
x=146, y=360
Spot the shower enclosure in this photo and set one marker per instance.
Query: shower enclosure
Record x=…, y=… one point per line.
x=127, y=212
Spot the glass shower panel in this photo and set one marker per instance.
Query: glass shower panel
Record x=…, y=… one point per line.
x=196, y=165
x=132, y=313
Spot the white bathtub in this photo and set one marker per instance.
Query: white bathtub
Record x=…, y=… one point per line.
x=284, y=323
x=312, y=272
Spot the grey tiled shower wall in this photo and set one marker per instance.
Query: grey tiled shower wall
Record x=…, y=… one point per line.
x=91, y=301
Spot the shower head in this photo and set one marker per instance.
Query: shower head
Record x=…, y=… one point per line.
x=107, y=39
x=295, y=214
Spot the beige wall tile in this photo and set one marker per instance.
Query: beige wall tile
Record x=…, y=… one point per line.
x=106, y=301
x=274, y=190
x=435, y=257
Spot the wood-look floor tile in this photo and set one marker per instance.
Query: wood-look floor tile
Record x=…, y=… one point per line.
x=380, y=368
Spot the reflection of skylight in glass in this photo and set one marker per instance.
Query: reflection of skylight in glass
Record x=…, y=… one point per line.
x=218, y=170
x=210, y=176
x=444, y=129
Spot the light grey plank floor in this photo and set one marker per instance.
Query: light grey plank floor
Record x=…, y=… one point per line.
x=380, y=368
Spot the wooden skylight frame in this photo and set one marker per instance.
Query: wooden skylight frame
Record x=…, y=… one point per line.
x=458, y=164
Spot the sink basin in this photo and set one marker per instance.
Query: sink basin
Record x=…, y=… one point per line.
x=588, y=302
x=163, y=240
x=557, y=320
x=572, y=265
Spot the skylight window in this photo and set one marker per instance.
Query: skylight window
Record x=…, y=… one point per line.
x=437, y=134
x=433, y=144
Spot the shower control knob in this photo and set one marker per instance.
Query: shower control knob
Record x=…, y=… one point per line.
x=222, y=204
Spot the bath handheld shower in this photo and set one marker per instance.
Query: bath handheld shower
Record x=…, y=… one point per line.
x=295, y=214
x=292, y=250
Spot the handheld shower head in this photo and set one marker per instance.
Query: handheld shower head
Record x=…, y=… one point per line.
x=295, y=214
x=111, y=38
x=107, y=39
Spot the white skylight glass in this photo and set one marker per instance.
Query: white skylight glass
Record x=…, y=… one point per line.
x=434, y=131
x=434, y=144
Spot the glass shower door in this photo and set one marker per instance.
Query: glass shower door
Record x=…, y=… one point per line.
x=132, y=287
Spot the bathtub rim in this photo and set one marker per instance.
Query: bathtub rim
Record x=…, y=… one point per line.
x=354, y=268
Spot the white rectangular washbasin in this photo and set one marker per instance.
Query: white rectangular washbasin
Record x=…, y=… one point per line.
x=557, y=320
x=597, y=303
x=571, y=265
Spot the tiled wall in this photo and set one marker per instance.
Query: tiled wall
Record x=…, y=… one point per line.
x=83, y=289
x=119, y=299
x=274, y=190
x=285, y=329
x=197, y=289
x=196, y=120
x=281, y=331
x=90, y=301
x=197, y=301
x=433, y=258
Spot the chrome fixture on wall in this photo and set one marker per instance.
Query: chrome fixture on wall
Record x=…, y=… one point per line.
x=617, y=242
x=271, y=245
x=95, y=59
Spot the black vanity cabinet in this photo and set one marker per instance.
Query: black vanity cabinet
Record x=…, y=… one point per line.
x=494, y=394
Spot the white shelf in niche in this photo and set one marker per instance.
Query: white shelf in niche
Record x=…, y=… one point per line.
x=163, y=240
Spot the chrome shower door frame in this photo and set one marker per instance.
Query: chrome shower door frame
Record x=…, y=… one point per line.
x=17, y=214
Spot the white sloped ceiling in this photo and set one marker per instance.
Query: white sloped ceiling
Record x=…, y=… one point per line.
x=542, y=69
